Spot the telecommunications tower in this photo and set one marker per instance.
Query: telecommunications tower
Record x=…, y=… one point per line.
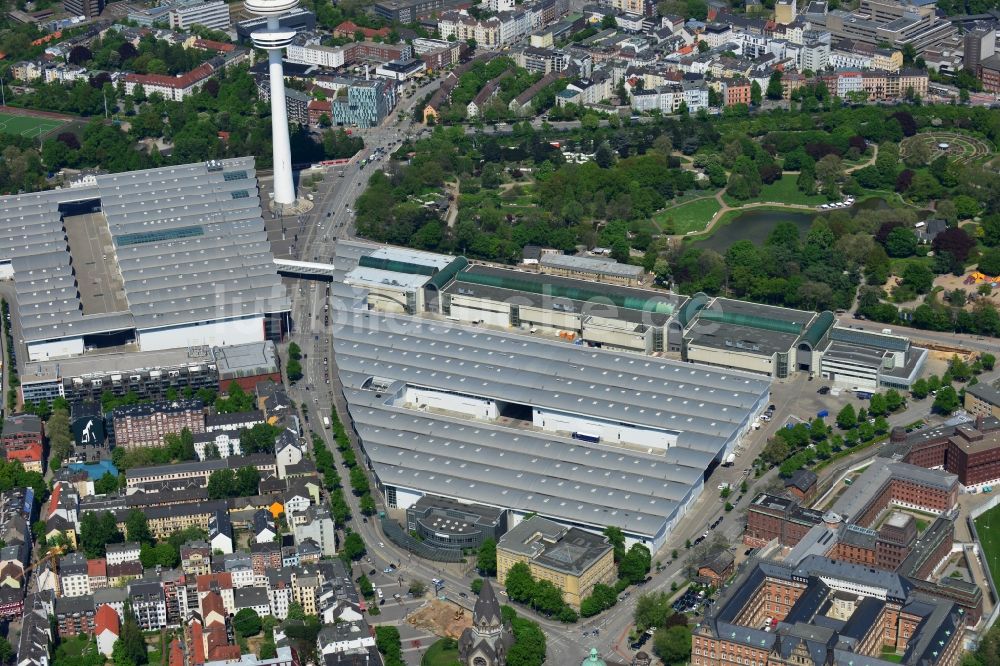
x=274, y=39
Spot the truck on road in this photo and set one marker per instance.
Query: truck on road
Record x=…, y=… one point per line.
x=326, y=421
x=730, y=459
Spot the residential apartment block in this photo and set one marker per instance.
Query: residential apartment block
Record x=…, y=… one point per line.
x=148, y=424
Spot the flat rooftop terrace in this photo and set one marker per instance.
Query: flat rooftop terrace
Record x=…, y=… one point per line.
x=101, y=287
x=749, y=328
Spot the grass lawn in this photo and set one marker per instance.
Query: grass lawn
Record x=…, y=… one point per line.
x=691, y=216
x=897, y=266
x=27, y=125
x=442, y=653
x=890, y=655
x=988, y=528
x=782, y=191
x=921, y=525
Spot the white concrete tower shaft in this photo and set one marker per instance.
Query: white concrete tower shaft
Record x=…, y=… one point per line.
x=274, y=39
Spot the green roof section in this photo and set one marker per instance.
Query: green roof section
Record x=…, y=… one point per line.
x=752, y=321
x=692, y=307
x=445, y=275
x=574, y=293
x=819, y=328
x=396, y=266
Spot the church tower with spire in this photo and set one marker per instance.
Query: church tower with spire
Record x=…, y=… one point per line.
x=488, y=640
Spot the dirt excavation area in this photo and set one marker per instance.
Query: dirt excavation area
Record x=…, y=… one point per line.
x=442, y=618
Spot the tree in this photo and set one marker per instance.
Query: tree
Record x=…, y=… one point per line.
x=130, y=648
x=609, y=22
x=955, y=242
x=222, y=484
x=919, y=389
x=918, y=154
x=359, y=481
x=959, y=369
x=78, y=55
x=137, y=527
x=367, y=505
x=97, y=530
x=529, y=641
x=486, y=563
x=673, y=645
x=893, y=400
x=106, y=484
x=246, y=622
x=604, y=156
x=547, y=598
x=918, y=277
x=365, y=587
x=651, y=610
x=60, y=437
x=295, y=611
x=388, y=643
x=987, y=361
x=617, y=539
x=755, y=93
x=268, y=650
x=601, y=598
x=476, y=586
x=247, y=481
x=901, y=242
x=946, y=401
x=989, y=262
x=877, y=405
x=520, y=583
x=418, y=588
x=774, y=87
x=635, y=564
x=354, y=547
x=294, y=369
x=259, y=439
x=7, y=653
x=847, y=418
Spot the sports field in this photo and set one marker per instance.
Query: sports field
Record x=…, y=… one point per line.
x=27, y=125
x=988, y=527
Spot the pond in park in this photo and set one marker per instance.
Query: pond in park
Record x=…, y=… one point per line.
x=757, y=225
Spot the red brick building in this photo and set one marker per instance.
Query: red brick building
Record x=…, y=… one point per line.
x=75, y=615
x=22, y=439
x=771, y=517
x=348, y=30
x=717, y=568
x=877, y=613
x=971, y=450
x=802, y=485
x=318, y=109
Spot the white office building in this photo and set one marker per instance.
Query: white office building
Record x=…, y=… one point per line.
x=213, y=14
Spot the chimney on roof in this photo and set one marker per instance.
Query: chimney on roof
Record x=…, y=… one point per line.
x=980, y=422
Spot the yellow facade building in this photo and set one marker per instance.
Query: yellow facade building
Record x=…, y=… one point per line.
x=570, y=558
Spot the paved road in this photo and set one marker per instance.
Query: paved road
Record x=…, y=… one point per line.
x=973, y=342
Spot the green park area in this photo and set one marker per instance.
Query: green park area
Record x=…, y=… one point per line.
x=687, y=217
